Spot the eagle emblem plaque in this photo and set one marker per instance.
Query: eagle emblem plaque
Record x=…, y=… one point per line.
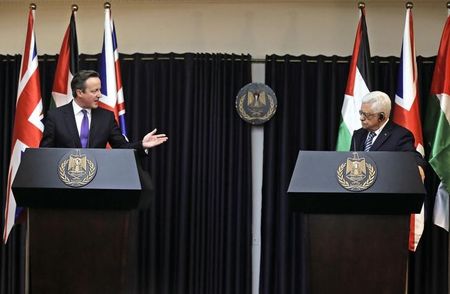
x=76, y=169
x=357, y=173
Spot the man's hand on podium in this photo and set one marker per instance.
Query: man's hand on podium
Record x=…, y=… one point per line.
x=152, y=139
x=422, y=173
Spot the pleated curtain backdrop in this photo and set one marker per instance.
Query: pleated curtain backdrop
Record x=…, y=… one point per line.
x=310, y=92
x=196, y=235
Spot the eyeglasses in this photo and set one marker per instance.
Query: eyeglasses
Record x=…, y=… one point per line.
x=367, y=115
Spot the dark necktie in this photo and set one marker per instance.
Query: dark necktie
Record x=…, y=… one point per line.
x=84, y=131
x=369, y=141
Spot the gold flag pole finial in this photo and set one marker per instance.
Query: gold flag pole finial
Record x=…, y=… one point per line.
x=107, y=5
x=74, y=7
x=361, y=5
x=33, y=6
x=409, y=5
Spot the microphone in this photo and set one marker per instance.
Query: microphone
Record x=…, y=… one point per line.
x=354, y=143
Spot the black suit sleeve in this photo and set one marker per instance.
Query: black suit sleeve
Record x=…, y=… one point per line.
x=355, y=143
x=48, y=138
x=406, y=143
x=117, y=140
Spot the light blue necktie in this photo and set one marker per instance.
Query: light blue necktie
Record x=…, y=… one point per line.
x=369, y=141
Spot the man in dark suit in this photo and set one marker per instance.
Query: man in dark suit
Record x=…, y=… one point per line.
x=81, y=123
x=379, y=133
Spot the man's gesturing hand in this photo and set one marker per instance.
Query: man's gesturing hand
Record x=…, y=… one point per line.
x=152, y=139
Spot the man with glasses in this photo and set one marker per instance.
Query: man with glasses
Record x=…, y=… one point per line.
x=379, y=133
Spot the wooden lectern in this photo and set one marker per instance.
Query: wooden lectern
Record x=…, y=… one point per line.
x=82, y=239
x=358, y=239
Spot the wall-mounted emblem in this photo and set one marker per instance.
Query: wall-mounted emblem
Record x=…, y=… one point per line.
x=256, y=103
x=76, y=169
x=357, y=173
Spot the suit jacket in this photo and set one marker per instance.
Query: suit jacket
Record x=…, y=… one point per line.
x=392, y=138
x=61, y=130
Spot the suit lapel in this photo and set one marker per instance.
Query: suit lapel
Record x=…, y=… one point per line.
x=72, y=126
x=93, y=129
x=362, y=140
x=382, y=137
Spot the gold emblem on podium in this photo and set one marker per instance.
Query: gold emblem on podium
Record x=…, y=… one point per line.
x=357, y=173
x=76, y=169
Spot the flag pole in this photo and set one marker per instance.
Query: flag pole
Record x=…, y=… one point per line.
x=27, y=229
x=448, y=246
x=33, y=7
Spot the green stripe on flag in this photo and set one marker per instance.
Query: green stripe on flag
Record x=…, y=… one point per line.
x=440, y=143
x=344, y=138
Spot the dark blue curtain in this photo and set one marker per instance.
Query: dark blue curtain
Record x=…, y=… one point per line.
x=196, y=235
x=310, y=92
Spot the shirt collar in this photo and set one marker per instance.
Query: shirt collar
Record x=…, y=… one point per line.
x=377, y=132
x=77, y=109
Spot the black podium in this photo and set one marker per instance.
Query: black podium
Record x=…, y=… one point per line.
x=358, y=240
x=82, y=224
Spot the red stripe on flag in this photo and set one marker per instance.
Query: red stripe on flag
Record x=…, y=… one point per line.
x=62, y=69
x=120, y=107
x=410, y=120
x=349, y=90
x=118, y=76
x=442, y=69
x=27, y=53
x=24, y=130
x=107, y=107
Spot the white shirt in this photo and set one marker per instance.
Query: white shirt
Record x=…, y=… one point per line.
x=77, y=111
x=377, y=132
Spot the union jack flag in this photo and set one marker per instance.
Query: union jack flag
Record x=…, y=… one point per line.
x=407, y=112
x=28, y=128
x=110, y=75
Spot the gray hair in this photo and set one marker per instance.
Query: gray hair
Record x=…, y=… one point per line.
x=379, y=101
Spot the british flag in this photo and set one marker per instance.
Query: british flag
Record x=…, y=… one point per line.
x=406, y=109
x=28, y=128
x=111, y=79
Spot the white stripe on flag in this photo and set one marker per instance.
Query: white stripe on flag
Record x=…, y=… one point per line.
x=440, y=212
x=352, y=104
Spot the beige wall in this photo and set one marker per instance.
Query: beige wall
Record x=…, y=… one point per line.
x=254, y=27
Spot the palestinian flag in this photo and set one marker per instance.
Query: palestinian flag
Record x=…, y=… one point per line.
x=358, y=85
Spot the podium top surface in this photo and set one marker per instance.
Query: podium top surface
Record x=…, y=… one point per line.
x=44, y=178
x=315, y=185
x=116, y=169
